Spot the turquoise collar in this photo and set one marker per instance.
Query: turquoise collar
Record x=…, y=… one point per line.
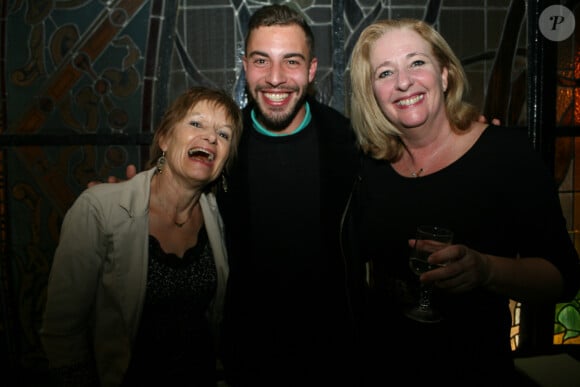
x=264, y=131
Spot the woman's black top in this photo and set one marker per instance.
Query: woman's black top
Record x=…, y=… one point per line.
x=499, y=199
x=174, y=344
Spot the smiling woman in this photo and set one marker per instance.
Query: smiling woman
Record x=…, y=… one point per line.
x=484, y=182
x=201, y=154
x=143, y=261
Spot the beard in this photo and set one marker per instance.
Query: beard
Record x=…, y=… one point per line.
x=278, y=119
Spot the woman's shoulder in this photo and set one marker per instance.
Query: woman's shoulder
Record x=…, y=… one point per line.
x=209, y=199
x=517, y=133
x=127, y=193
x=511, y=147
x=508, y=138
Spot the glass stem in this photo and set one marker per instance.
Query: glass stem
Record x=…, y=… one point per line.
x=425, y=297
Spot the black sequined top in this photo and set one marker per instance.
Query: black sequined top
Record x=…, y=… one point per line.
x=174, y=344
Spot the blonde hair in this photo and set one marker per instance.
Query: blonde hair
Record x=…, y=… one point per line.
x=376, y=135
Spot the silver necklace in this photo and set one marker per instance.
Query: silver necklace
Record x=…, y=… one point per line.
x=417, y=172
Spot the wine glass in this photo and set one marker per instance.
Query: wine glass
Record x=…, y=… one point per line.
x=438, y=238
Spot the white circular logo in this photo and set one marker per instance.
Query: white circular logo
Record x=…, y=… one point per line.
x=556, y=23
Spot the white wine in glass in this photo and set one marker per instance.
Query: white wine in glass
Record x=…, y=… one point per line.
x=423, y=311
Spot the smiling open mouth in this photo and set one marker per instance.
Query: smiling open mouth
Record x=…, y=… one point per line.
x=410, y=101
x=200, y=153
x=276, y=97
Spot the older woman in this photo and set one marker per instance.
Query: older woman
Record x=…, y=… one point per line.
x=431, y=162
x=138, y=278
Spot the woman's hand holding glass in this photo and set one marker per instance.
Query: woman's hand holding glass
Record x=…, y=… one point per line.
x=458, y=269
x=429, y=239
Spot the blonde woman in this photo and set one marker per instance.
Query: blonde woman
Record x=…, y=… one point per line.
x=429, y=161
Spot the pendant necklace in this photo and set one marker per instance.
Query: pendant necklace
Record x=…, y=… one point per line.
x=417, y=172
x=180, y=225
x=162, y=204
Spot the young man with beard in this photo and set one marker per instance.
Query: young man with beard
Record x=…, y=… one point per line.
x=289, y=312
x=288, y=318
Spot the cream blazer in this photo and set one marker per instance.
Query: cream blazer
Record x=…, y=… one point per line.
x=96, y=286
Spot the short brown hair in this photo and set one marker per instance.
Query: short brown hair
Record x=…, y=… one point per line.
x=183, y=105
x=280, y=15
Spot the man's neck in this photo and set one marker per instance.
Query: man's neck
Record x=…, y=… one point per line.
x=286, y=132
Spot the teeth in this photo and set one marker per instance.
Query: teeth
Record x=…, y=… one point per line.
x=193, y=151
x=410, y=101
x=277, y=97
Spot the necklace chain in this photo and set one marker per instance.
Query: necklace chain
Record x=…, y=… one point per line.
x=418, y=172
x=180, y=225
x=189, y=216
x=162, y=204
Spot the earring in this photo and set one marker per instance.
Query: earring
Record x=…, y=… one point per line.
x=161, y=162
x=224, y=183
